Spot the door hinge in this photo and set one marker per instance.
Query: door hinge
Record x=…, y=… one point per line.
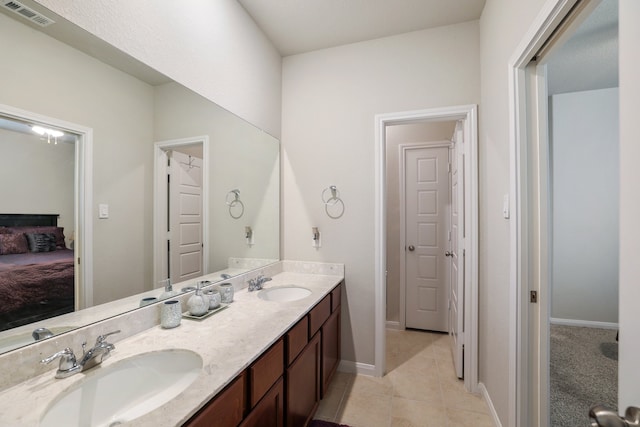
x=533, y=296
x=78, y=260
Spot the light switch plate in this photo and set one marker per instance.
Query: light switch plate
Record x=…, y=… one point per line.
x=103, y=211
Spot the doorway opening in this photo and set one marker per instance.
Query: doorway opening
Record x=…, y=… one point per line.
x=467, y=117
x=181, y=249
x=73, y=217
x=565, y=182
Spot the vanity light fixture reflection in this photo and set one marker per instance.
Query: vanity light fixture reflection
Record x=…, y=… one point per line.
x=49, y=133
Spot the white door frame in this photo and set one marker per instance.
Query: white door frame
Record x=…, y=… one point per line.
x=83, y=205
x=467, y=113
x=403, y=148
x=528, y=230
x=160, y=201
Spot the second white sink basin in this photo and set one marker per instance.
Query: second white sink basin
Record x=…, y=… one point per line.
x=132, y=387
x=284, y=293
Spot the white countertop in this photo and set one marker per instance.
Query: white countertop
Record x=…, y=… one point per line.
x=228, y=342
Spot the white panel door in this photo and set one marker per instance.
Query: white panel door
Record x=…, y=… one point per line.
x=456, y=297
x=426, y=237
x=185, y=217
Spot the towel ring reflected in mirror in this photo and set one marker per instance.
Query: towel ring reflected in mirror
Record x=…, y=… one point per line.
x=236, y=207
x=333, y=204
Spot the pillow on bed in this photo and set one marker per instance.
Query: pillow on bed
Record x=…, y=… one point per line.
x=5, y=230
x=13, y=244
x=57, y=231
x=41, y=242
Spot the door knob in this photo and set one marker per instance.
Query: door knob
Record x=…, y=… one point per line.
x=411, y=248
x=448, y=253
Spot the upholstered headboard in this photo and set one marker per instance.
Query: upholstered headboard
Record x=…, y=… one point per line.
x=22, y=220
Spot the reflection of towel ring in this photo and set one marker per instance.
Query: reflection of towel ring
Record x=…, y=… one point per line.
x=333, y=204
x=236, y=207
x=335, y=195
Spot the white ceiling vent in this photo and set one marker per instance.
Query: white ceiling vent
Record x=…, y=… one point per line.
x=30, y=14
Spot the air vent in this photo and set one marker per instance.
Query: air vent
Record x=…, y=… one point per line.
x=28, y=13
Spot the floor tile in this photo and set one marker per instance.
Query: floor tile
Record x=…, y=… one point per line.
x=413, y=413
x=420, y=389
x=365, y=410
x=462, y=418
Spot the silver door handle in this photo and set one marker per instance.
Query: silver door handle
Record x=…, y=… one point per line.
x=411, y=248
x=448, y=253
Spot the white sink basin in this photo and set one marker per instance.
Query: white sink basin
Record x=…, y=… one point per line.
x=125, y=390
x=284, y=293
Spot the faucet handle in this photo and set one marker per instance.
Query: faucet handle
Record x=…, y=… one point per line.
x=102, y=338
x=67, y=359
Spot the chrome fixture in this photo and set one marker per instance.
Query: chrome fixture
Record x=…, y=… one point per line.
x=602, y=416
x=315, y=234
x=333, y=204
x=41, y=334
x=225, y=276
x=236, y=207
x=94, y=356
x=256, y=284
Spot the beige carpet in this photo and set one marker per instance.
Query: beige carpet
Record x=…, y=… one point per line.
x=583, y=371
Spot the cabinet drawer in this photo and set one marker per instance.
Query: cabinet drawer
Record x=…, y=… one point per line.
x=297, y=338
x=265, y=372
x=318, y=315
x=226, y=409
x=336, y=295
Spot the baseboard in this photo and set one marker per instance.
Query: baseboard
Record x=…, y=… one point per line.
x=583, y=323
x=357, y=368
x=395, y=325
x=492, y=409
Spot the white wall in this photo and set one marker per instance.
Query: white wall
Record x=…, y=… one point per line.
x=585, y=182
x=41, y=177
x=212, y=47
x=330, y=99
x=396, y=135
x=628, y=372
x=502, y=26
x=34, y=65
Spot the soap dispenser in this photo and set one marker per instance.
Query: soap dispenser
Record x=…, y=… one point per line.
x=198, y=304
x=168, y=290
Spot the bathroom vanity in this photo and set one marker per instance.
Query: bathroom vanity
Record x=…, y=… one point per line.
x=264, y=362
x=288, y=380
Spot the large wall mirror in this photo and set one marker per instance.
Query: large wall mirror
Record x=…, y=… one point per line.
x=149, y=181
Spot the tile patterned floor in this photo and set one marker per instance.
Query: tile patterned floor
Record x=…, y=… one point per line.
x=420, y=389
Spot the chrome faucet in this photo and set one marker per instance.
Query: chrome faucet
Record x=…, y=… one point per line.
x=41, y=334
x=90, y=358
x=257, y=283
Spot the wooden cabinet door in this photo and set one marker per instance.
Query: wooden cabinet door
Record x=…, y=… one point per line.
x=303, y=385
x=224, y=410
x=269, y=412
x=265, y=371
x=330, y=349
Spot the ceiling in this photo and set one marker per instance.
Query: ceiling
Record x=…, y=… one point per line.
x=297, y=26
